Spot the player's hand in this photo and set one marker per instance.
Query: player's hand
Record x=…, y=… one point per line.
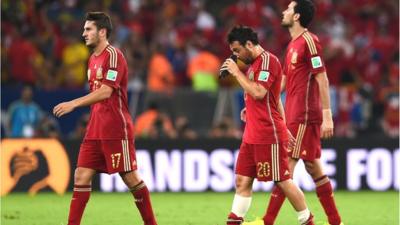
x=231, y=66
x=63, y=108
x=292, y=140
x=327, y=124
x=243, y=114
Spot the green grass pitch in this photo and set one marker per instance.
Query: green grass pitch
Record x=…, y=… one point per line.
x=356, y=208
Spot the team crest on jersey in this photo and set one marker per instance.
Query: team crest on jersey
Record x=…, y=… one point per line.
x=294, y=58
x=99, y=73
x=88, y=74
x=251, y=75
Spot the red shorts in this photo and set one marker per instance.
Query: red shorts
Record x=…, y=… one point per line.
x=308, y=145
x=108, y=156
x=266, y=162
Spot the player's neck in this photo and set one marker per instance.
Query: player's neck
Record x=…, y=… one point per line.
x=257, y=51
x=296, y=30
x=100, y=47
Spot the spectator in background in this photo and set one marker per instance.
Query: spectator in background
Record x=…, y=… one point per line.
x=176, y=53
x=183, y=128
x=136, y=56
x=203, y=70
x=225, y=129
x=24, y=115
x=21, y=54
x=5, y=76
x=48, y=128
x=74, y=58
x=348, y=102
x=161, y=76
x=80, y=129
x=389, y=96
x=154, y=124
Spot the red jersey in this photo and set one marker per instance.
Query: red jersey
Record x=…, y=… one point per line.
x=303, y=61
x=264, y=123
x=110, y=118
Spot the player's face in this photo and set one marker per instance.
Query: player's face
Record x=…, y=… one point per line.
x=90, y=34
x=241, y=52
x=288, y=15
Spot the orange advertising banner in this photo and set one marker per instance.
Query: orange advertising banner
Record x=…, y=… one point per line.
x=34, y=164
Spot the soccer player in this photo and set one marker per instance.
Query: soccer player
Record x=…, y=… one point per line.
x=108, y=146
x=308, y=112
x=263, y=152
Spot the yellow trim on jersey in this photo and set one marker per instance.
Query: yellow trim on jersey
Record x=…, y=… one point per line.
x=113, y=56
x=275, y=162
x=125, y=152
x=299, y=139
x=265, y=61
x=310, y=43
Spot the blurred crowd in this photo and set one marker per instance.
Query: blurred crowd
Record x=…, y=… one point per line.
x=172, y=44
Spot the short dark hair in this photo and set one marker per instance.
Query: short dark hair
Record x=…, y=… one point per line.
x=306, y=10
x=101, y=20
x=242, y=34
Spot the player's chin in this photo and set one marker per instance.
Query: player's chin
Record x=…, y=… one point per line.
x=89, y=44
x=284, y=24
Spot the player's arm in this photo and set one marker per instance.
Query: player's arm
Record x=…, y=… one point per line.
x=98, y=95
x=327, y=122
x=243, y=114
x=283, y=83
x=281, y=109
x=254, y=89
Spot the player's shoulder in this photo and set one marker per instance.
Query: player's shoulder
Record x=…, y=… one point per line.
x=268, y=59
x=308, y=35
x=111, y=50
x=269, y=62
x=311, y=41
x=114, y=55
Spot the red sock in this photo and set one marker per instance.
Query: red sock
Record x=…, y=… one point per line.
x=234, y=220
x=325, y=195
x=143, y=203
x=78, y=203
x=275, y=203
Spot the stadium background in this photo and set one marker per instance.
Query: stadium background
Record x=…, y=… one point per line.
x=187, y=121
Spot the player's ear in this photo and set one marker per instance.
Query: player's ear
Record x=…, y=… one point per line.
x=103, y=32
x=249, y=45
x=296, y=17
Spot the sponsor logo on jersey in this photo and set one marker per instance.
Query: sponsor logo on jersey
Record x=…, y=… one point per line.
x=112, y=75
x=263, y=76
x=316, y=62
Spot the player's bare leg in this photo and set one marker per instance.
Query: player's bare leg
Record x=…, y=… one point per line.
x=83, y=176
x=82, y=188
x=324, y=190
x=242, y=200
x=277, y=197
x=141, y=194
x=297, y=200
